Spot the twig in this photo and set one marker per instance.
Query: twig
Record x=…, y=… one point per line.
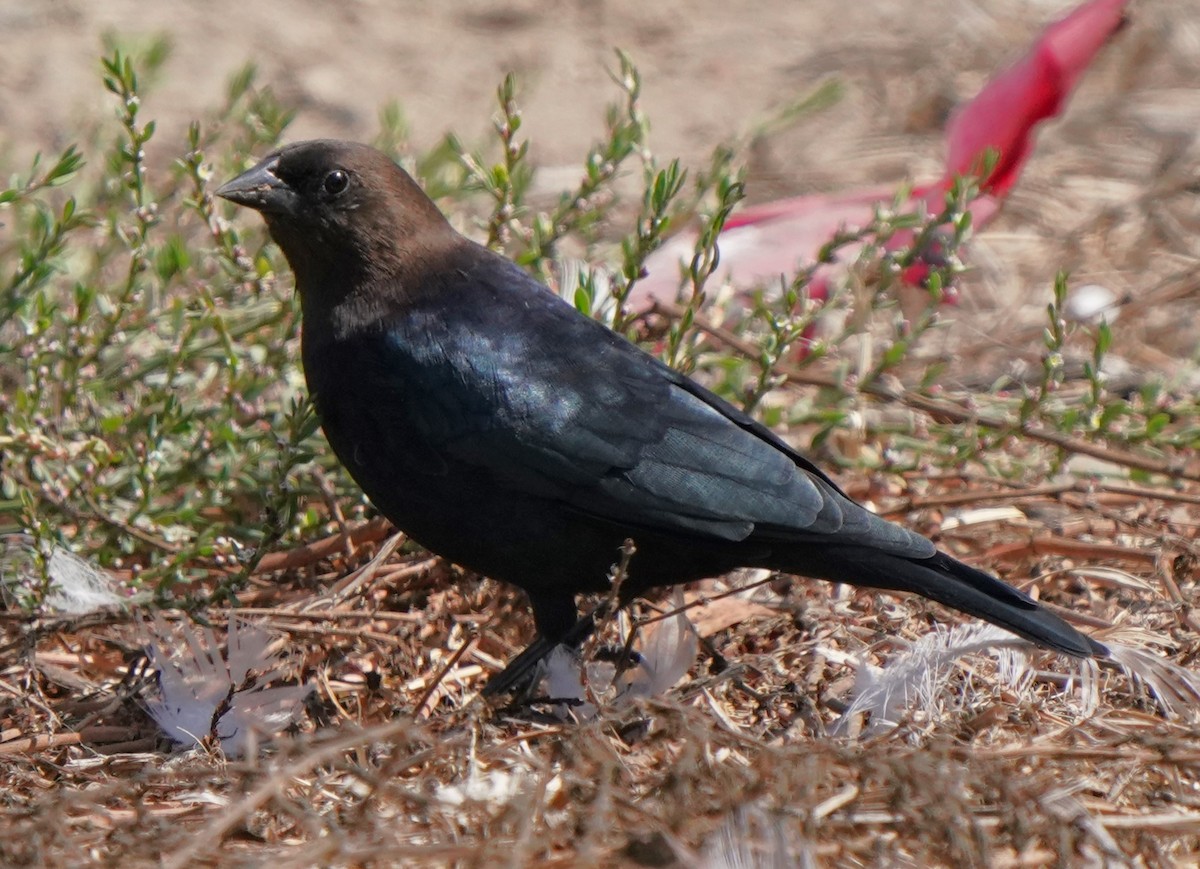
x=1049, y=544
x=704, y=600
x=333, y=614
x=311, y=553
x=427, y=694
x=346, y=587
x=955, y=499
x=98, y=734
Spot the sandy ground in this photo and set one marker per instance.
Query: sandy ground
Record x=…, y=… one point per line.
x=1108, y=196
x=711, y=67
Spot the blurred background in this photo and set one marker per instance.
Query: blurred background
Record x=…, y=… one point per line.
x=713, y=72
x=712, y=68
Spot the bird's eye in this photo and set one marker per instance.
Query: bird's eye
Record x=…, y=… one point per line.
x=336, y=182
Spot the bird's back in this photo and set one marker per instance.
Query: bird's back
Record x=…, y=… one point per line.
x=486, y=396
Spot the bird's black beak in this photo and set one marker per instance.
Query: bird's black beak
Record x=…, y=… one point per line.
x=261, y=189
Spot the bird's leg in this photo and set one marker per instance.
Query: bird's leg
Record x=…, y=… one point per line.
x=522, y=670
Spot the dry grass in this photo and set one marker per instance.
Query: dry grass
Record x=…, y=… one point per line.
x=992, y=775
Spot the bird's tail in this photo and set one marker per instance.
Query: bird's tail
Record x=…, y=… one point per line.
x=962, y=587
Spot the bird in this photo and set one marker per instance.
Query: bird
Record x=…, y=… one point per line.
x=513, y=435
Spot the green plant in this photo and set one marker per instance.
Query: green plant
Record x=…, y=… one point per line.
x=153, y=415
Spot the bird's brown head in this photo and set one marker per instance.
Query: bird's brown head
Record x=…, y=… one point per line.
x=344, y=214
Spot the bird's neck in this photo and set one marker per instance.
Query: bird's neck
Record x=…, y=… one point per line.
x=350, y=294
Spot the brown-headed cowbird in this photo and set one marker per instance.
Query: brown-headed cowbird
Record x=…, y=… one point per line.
x=502, y=429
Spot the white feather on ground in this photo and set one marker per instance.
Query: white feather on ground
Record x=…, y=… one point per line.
x=78, y=587
x=916, y=679
x=917, y=676
x=203, y=694
x=1175, y=691
x=752, y=838
x=67, y=584
x=562, y=679
x=667, y=653
x=664, y=655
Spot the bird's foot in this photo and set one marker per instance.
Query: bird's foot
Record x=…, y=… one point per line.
x=523, y=672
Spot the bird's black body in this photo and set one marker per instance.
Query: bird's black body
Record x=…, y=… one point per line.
x=504, y=430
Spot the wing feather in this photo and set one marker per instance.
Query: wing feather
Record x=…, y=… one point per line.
x=616, y=434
